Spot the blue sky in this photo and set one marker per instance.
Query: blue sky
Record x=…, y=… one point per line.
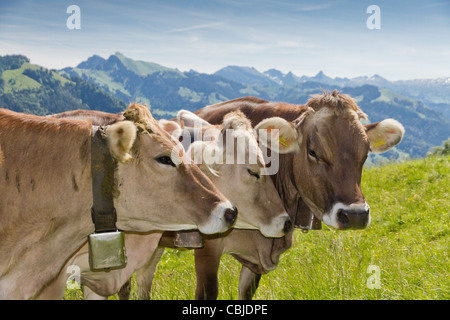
x=205, y=35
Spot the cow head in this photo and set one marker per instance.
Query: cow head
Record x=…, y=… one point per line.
x=333, y=145
x=156, y=192
x=229, y=154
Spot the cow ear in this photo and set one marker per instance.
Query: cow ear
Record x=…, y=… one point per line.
x=190, y=119
x=120, y=137
x=287, y=140
x=384, y=135
x=171, y=127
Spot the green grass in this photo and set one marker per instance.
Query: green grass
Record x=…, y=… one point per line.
x=408, y=240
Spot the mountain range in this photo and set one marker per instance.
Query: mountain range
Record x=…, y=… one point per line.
x=109, y=84
x=435, y=93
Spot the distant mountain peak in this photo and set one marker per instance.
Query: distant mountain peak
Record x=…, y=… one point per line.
x=274, y=73
x=247, y=75
x=321, y=75
x=240, y=68
x=93, y=62
x=281, y=78
x=118, y=59
x=119, y=54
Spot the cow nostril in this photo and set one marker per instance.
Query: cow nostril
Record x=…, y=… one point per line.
x=343, y=217
x=287, y=226
x=230, y=215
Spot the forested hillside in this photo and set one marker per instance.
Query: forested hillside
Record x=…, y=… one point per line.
x=30, y=88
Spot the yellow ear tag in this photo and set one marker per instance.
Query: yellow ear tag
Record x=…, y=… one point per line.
x=379, y=143
x=283, y=141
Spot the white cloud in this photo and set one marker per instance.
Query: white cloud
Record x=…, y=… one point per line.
x=196, y=27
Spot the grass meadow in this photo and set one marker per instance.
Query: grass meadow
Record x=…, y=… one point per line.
x=403, y=254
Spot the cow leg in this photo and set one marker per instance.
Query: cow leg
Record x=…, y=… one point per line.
x=145, y=275
x=248, y=283
x=124, y=292
x=207, y=261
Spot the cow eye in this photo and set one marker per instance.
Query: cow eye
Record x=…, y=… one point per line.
x=313, y=154
x=252, y=173
x=166, y=161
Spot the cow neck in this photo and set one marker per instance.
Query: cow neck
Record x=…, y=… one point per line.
x=103, y=167
x=285, y=184
x=299, y=213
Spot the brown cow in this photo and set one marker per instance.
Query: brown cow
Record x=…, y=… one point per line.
x=46, y=192
x=256, y=197
x=323, y=177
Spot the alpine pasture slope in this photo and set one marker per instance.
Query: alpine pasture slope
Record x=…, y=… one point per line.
x=403, y=254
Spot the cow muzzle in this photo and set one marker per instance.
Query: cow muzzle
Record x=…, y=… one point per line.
x=354, y=216
x=231, y=215
x=221, y=219
x=279, y=227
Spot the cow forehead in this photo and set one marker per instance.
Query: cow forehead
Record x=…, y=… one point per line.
x=328, y=114
x=158, y=140
x=338, y=128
